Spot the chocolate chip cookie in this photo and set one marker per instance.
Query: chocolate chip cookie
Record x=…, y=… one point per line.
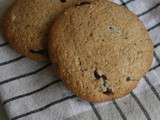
x=101, y=49
x=27, y=22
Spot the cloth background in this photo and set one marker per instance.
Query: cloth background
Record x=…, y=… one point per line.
x=30, y=91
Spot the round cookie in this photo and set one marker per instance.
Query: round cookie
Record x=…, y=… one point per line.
x=27, y=23
x=101, y=50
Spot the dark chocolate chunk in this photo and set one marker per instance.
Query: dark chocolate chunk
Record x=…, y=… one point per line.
x=63, y=1
x=111, y=28
x=104, y=77
x=108, y=92
x=96, y=75
x=128, y=78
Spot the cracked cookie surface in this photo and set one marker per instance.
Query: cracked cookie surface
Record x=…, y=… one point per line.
x=101, y=49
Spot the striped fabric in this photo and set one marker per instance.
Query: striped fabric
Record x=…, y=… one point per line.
x=30, y=91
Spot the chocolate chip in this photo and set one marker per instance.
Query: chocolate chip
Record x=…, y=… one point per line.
x=114, y=29
x=108, y=91
x=91, y=34
x=105, y=87
x=104, y=77
x=126, y=37
x=27, y=26
x=63, y=1
x=41, y=52
x=96, y=75
x=111, y=28
x=83, y=3
x=128, y=78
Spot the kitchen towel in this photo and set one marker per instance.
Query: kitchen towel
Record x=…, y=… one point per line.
x=30, y=91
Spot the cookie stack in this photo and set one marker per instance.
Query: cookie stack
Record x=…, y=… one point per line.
x=101, y=49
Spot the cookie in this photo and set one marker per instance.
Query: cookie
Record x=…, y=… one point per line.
x=27, y=23
x=101, y=50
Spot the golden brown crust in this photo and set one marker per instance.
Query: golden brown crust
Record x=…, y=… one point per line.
x=101, y=49
x=27, y=22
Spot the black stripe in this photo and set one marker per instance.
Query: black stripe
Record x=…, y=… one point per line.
x=127, y=2
x=95, y=111
x=154, y=7
x=155, y=67
x=11, y=61
x=141, y=106
x=119, y=110
x=156, y=45
x=153, y=27
x=156, y=57
x=141, y=14
x=30, y=93
x=123, y=3
x=3, y=44
x=24, y=75
x=43, y=108
x=152, y=87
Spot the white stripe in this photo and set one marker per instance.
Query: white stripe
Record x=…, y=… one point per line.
x=18, y=68
x=35, y=101
x=107, y=111
x=130, y=108
x=7, y=53
x=27, y=84
x=150, y=102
